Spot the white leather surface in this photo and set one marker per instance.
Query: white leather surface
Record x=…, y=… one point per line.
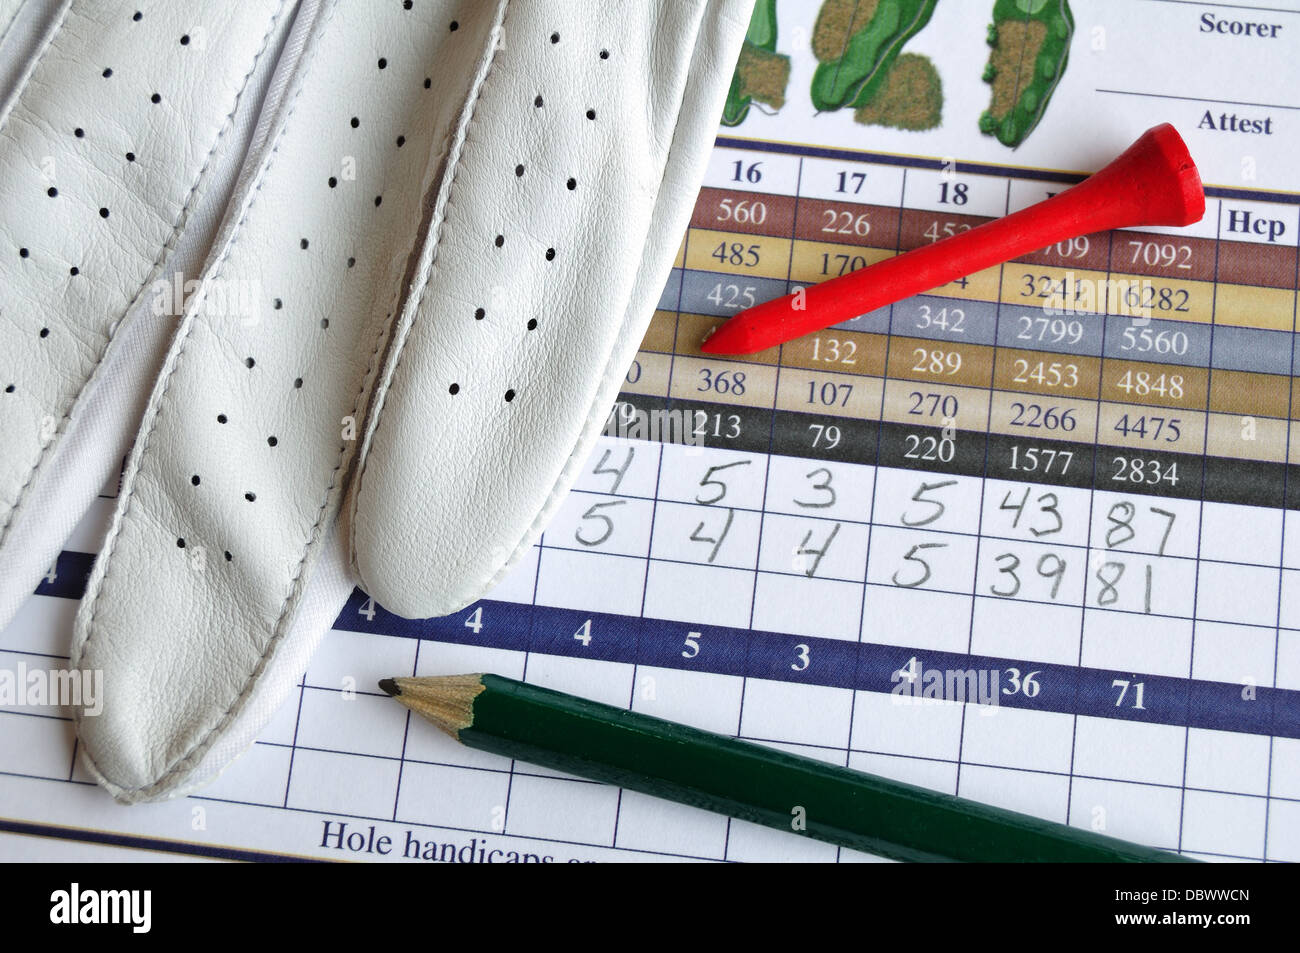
x=88, y=455
x=8, y=11
x=379, y=175
x=168, y=700
x=559, y=222
x=24, y=25
x=58, y=326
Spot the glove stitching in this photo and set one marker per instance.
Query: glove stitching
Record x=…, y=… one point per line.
x=22, y=84
x=582, y=446
x=183, y=762
x=154, y=270
x=19, y=89
x=13, y=18
x=444, y=202
x=561, y=484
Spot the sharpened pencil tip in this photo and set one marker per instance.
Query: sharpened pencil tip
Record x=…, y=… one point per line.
x=390, y=686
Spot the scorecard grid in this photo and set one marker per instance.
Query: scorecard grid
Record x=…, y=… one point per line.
x=832, y=533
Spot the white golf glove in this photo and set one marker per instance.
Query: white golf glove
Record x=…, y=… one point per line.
x=411, y=247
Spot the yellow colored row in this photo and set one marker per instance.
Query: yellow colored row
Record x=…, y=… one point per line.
x=1031, y=286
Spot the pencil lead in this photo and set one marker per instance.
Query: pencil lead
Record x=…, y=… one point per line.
x=445, y=700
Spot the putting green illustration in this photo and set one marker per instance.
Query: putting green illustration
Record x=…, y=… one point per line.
x=761, y=72
x=860, y=65
x=856, y=42
x=1030, y=41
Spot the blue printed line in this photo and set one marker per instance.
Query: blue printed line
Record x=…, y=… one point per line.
x=862, y=666
x=833, y=663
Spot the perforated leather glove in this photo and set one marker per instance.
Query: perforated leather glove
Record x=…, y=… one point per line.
x=388, y=260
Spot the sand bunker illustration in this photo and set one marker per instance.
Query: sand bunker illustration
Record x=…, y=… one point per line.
x=761, y=73
x=911, y=97
x=1030, y=41
x=860, y=65
x=856, y=43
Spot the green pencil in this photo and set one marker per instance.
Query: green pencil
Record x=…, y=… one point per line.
x=743, y=780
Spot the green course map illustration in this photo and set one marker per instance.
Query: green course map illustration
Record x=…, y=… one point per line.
x=856, y=42
x=761, y=72
x=1030, y=42
x=860, y=65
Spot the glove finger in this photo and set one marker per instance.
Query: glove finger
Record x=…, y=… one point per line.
x=102, y=190
x=553, y=236
x=248, y=438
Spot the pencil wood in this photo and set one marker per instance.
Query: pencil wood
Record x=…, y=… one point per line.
x=743, y=780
